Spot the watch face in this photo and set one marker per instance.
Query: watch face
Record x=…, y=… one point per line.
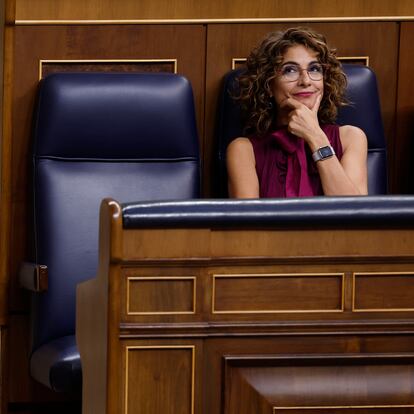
x=325, y=152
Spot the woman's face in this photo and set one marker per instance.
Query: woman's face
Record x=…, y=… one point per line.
x=300, y=77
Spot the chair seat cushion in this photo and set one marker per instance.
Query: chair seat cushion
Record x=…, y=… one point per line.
x=57, y=365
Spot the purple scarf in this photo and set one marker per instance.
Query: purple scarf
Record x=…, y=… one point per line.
x=297, y=185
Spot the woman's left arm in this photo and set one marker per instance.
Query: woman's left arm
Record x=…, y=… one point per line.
x=345, y=177
x=349, y=175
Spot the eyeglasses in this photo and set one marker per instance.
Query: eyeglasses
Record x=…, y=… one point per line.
x=291, y=72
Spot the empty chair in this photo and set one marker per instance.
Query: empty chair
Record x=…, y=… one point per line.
x=96, y=135
x=364, y=112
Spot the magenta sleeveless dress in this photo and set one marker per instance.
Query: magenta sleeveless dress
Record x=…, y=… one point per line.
x=284, y=163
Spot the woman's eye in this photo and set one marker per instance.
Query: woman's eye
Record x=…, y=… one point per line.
x=315, y=68
x=289, y=69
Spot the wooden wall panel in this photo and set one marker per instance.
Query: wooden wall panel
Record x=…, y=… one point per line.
x=377, y=40
x=376, y=292
x=243, y=351
x=319, y=384
x=405, y=112
x=159, y=378
x=273, y=293
x=212, y=9
x=168, y=295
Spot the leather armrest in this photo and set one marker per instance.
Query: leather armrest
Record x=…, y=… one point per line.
x=33, y=277
x=306, y=212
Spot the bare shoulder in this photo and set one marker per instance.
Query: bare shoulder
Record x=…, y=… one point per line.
x=241, y=169
x=240, y=147
x=352, y=136
x=240, y=144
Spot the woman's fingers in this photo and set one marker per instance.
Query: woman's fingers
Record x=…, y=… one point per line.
x=315, y=107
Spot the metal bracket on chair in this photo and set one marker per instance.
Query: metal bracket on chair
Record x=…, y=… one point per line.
x=33, y=277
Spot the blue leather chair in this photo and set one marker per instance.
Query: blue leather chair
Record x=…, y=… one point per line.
x=364, y=112
x=127, y=136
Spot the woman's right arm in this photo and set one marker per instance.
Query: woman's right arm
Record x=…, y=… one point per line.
x=241, y=169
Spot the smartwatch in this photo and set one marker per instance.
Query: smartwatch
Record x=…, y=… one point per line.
x=323, y=153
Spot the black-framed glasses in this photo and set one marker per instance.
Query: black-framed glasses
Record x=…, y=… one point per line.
x=291, y=72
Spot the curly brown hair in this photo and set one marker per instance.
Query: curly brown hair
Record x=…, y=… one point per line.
x=263, y=63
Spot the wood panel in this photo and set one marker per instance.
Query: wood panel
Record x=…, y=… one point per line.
x=122, y=65
x=156, y=244
x=159, y=378
x=405, y=112
x=160, y=295
x=212, y=9
x=273, y=293
x=257, y=351
x=296, y=383
x=5, y=152
x=378, y=41
x=376, y=292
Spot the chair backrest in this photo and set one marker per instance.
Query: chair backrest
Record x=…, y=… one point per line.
x=364, y=112
x=96, y=135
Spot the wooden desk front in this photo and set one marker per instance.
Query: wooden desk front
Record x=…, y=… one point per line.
x=202, y=321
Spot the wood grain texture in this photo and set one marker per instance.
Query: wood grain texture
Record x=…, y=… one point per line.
x=97, y=66
x=159, y=379
x=259, y=293
x=6, y=156
x=384, y=292
x=313, y=381
x=159, y=294
x=100, y=352
x=212, y=9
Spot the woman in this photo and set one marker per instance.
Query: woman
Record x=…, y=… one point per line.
x=290, y=94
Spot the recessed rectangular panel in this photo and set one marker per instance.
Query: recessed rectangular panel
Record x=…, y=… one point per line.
x=357, y=60
x=160, y=295
x=383, y=292
x=47, y=67
x=272, y=293
x=159, y=379
x=319, y=384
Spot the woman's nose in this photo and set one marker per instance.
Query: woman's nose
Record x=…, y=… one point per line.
x=304, y=78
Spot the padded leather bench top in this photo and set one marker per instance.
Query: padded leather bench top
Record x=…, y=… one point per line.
x=333, y=212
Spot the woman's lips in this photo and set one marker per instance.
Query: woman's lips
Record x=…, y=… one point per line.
x=303, y=94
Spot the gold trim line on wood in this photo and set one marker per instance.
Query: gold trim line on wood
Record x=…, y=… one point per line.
x=132, y=347
x=45, y=22
x=193, y=278
x=42, y=61
x=336, y=407
x=213, y=295
x=234, y=61
x=364, y=58
x=354, y=309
